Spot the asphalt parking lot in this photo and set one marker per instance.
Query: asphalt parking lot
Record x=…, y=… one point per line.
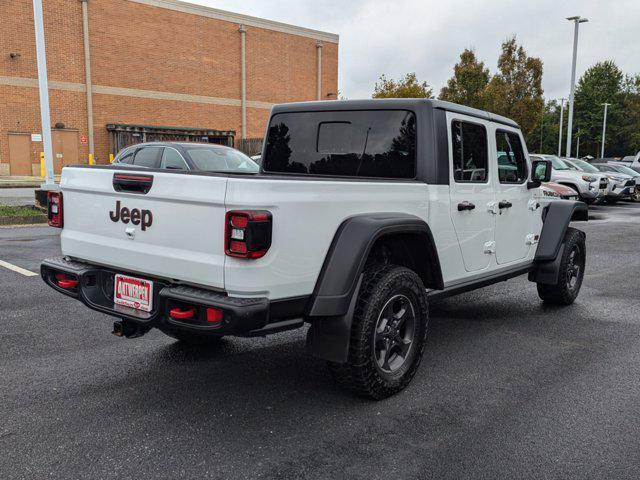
x=508, y=388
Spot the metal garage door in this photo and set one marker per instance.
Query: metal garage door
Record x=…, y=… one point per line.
x=20, y=154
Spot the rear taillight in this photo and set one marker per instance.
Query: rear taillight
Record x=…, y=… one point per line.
x=247, y=233
x=54, y=209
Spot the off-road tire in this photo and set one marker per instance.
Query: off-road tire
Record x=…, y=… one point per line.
x=193, y=338
x=565, y=291
x=362, y=373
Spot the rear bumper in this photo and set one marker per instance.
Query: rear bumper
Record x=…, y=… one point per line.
x=241, y=316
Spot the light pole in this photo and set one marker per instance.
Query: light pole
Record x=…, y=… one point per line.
x=560, y=129
x=604, y=128
x=577, y=20
x=43, y=86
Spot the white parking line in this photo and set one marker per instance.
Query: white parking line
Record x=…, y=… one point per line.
x=15, y=268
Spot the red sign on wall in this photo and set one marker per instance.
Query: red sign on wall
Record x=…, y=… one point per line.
x=83, y=139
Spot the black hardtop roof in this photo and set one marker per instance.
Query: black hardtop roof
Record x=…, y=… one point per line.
x=391, y=104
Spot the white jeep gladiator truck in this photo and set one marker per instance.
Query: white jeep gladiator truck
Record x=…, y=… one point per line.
x=362, y=212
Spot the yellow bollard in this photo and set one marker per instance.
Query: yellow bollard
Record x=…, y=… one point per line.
x=91, y=159
x=111, y=158
x=42, y=171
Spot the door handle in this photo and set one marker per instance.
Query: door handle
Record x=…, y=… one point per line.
x=465, y=206
x=504, y=204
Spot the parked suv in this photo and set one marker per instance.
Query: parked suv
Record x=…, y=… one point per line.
x=620, y=187
x=634, y=188
x=590, y=187
x=205, y=157
x=631, y=161
x=363, y=212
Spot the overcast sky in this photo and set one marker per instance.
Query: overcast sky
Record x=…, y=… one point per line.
x=427, y=36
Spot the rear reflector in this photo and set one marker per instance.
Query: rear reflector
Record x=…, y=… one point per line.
x=214, y=315
x=54, y=209
x=247, y=233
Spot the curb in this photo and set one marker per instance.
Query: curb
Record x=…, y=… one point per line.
x=26, y=220
x=20, y=185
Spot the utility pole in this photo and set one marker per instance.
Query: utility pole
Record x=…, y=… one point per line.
x=43, y=85
x=604, y=128
x=577, y=20
x=561, y=125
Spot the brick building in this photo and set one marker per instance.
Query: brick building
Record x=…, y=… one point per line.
x=158, y=69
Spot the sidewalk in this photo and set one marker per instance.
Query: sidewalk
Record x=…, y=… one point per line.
x=23, y=181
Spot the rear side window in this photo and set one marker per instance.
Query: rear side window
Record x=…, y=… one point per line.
x=148, y=157
x=470, y=154
x=126, y=156
x=512, y=165
x=362, y=143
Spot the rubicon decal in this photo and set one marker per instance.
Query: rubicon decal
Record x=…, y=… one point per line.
x=134, y=215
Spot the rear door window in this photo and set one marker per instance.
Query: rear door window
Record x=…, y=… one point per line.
x=355, y=143
x=172, y=160
x=148, y=157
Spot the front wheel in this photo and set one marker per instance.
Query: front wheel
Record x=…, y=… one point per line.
x=636, y=195
x=572, y=263
x=388, y=333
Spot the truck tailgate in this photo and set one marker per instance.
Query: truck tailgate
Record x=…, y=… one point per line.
x=181, y=237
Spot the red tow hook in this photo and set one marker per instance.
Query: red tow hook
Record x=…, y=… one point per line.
x=180, y=314
x=66, y=282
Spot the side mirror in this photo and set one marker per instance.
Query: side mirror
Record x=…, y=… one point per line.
x=540, y=172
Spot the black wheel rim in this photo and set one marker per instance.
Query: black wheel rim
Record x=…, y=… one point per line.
x=574, y=267
x=394, y=333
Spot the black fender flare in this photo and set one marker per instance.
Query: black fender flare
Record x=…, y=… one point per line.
x=556, y=217
x=331, y=306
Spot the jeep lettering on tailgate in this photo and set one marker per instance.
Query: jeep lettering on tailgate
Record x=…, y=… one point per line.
x=135, y=216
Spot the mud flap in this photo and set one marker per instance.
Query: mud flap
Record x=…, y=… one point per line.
x=329, y=337
x=547, y=272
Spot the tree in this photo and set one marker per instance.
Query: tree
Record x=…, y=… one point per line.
x=516, y=90
x=407, y=87
x=603, y=82
x=544, y=138
x=630, y=107
x=469, y=82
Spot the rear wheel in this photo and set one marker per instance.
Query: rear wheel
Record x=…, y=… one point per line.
x=565, y=291
x=388, y=333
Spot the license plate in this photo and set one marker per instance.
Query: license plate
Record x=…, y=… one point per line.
x=632, y=190
x=133, y=292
